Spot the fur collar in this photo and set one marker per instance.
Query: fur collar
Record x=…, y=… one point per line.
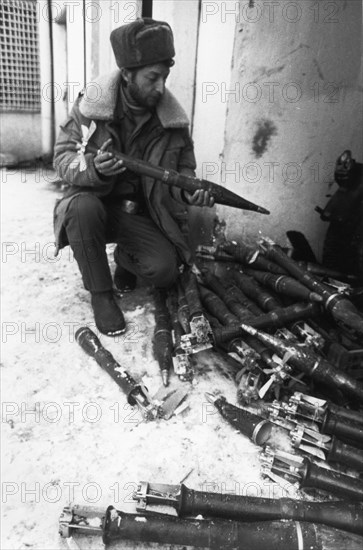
x=99, y=102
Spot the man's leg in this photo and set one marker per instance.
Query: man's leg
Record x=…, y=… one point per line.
x=85, y=224
x=144, y=250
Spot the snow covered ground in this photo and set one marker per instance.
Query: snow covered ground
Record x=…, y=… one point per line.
x=68, y=433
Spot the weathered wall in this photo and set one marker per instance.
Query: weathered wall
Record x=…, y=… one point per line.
x=183, y=17
x=101, y=18
x=294, y=104
x=61, y=88
x=20, y=137
x=214, y=61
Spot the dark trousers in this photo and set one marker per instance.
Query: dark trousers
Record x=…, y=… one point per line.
x=142, y=249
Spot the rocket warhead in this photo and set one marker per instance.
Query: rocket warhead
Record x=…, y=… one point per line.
x=278, y=345
x=249, y=329
x=212, y=397
x=262, y=210
x=266, y=338
x=165, y=377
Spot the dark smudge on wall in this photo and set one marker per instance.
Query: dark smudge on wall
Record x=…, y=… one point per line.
x=265, y=129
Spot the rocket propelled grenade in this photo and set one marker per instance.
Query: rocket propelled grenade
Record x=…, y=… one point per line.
x=263, y=356
x=181, y=359
x=250, y=256
x=274, y=319
x=191, y=184
x=215, y=305
x=227, y=295
x=284, y=315
x=323, y=271
x=342, y=309
x=311, y=364
x=158, y=497
x=284, y=285
x=163, y=341
x=326, y=447
x=136, y=393
x=191, y=332
x=325, y=413
x=241, y=298
x=115, y=525
x=199, y=325
x=254, y=290
x=212, y=253
x=331, y=419
x=251, y=425
x=333, y=350
x=279, y=466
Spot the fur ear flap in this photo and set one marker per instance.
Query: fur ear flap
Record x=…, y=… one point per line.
x=171, y=114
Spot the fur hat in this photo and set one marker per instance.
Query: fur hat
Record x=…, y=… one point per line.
x=143, y=42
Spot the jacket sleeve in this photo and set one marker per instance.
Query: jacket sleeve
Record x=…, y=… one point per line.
x=187, y=163
x=66, y=157
x=186, y=166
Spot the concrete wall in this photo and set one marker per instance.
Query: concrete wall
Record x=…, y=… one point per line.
x=294, y=104
x=102, y=16
x=214, y=63
x=20, y=137
x=61, y=89
x=183, y=17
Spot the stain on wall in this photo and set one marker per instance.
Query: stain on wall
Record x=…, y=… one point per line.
x=265, y=130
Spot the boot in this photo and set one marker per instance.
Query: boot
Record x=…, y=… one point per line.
x=124, y=280
x=108, y=316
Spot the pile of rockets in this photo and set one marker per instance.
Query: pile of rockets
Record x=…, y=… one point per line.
x=294, y=335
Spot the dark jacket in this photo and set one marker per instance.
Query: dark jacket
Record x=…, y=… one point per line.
x=169, y=145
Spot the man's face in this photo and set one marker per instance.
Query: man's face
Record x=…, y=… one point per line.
x=146, y=86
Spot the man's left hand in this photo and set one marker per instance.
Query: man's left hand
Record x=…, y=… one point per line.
x=199, y=198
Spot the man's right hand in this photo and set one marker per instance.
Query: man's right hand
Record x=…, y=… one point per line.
x=105, y=163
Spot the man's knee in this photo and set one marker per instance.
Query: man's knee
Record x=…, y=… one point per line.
x=86, y=207
x=162, y=272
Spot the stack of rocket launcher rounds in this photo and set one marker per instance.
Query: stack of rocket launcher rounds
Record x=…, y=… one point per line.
x=287, y=325
x=295, y=333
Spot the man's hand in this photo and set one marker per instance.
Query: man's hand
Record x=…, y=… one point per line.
x=105, y=163
x=199, y=198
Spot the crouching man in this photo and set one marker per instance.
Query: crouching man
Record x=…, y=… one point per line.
x=105, y=203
